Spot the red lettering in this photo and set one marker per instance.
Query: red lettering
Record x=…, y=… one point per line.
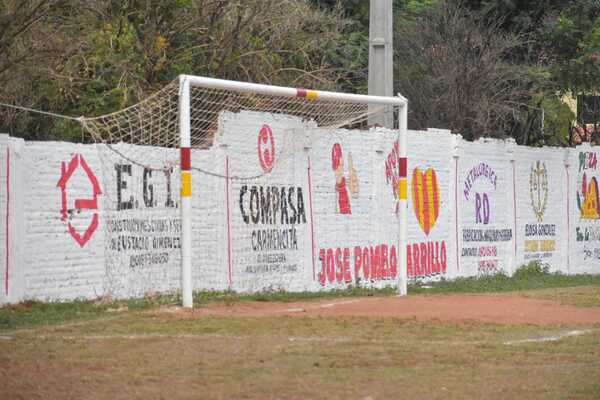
x=330, y=265
x=366, y=263
x=443, y=257
x=322, y=274
x=409, y=264
x=430, y=255
x=379, y=263
x=374, y=262
x=339, y=275
x=416, y=263
x=424, y=266
x=393, y=262
x=384, y=261
x=357, y=261
x=347, y=273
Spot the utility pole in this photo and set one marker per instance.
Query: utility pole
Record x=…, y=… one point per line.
x=381, y=58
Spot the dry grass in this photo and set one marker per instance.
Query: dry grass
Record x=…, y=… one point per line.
x=153, y=356
x=582, y=296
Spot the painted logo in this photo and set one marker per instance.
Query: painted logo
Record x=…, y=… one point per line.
x=392, y=173
x=538, y=189
x=337, y=164
x=266, y=148
x=66, y=172
x=426, y=198
x=587, y=199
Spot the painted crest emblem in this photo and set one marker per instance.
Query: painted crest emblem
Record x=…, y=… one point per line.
x=538, y=189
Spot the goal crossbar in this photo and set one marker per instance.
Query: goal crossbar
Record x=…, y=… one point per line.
x=281, y=91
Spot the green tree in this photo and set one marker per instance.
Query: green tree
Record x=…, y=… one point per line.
x=456, y=71
x=111, y=54
x=573, y=40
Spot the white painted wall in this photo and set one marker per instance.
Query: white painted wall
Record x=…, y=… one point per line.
x=474, y=209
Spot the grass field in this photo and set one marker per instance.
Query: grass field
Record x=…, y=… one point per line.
x=143, y=349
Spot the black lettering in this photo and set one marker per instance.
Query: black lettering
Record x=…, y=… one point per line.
x=284, y=213
x=291, y=204
x=300, y=207
x=254, y=206
x=147, y=189
x=169, y=202
x=275, y=202
x=243, y=191
x=265, y=206
x=122, y=184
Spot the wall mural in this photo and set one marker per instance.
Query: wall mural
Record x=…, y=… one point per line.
x=426, y=259
x=480, y=241
x=67, y=213
x=426, y=198
x=368, y=263
x=337, y=164
x=587, y=196
x=392, y=172
x=135, y=235
x=540, y=242
x=124, y=218
x=266, y=148
x=588, y=205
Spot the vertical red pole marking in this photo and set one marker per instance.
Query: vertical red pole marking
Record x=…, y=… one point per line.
x=7, y=219
x=228, y=221
x=568, y=225
x=514, y=209
x=456, y=210
x=312, y=227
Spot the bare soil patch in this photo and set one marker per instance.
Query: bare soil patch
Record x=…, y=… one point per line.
x=495, y=308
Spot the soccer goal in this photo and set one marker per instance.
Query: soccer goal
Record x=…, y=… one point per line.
x=161, y=135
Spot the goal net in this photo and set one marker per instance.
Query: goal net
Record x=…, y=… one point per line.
x=242, y=143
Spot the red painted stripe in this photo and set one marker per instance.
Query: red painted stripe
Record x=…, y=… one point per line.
x=229, y=274
x=426, y=204
x=312, y=227
x=186, y=159
x=7, y=220
x=514, y=209
x=436, y=198
x=301, y=92
x=403, y=167
x=456, y=211
x=415, y=196
x=568, y=225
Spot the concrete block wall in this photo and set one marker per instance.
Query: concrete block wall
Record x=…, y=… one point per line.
x=285, y=206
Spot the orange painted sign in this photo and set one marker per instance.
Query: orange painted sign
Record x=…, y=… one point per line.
x=426, y=198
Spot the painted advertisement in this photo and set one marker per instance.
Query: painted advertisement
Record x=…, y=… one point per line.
x=541, y=208
x=141, y=223
x=586, y=224
x=429, y=256
x=487, y=216
x=266, y=240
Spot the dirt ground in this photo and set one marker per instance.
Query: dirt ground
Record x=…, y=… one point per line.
x=437, y=347
x=501, y=308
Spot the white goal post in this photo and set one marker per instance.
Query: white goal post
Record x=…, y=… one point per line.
x=301, y=98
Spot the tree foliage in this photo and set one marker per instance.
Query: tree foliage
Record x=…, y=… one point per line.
x=107, y=55
x=479, y=67
x=456, y=71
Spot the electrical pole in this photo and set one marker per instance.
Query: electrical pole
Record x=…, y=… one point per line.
x=381, y=58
